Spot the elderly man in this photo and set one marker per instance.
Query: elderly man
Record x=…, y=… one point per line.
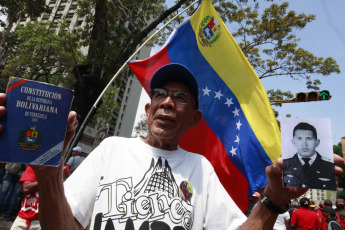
x=152, y=183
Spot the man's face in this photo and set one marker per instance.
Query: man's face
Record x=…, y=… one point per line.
x=325, y=214
x=305, y=142
x=168, y=120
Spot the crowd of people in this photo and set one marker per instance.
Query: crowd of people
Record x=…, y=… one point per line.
x=306, y=215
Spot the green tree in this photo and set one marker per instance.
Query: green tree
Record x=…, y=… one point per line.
x=43, y=54
x=14, y=10
x=141, y=128
x=341, y=194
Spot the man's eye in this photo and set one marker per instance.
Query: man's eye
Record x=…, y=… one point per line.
x=159, y=94
x=181, y=97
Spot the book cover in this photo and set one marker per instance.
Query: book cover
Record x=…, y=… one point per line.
x=35, y=123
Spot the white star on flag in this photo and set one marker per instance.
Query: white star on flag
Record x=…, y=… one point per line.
x=218, y=94
x=206, y=91
x=233, y=151
x=229, y=102
x=237, y=139
x=236, y=112
x=238, y=124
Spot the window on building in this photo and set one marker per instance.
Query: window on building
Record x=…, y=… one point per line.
x=58, y=16
x=61, y=8
x=73, y=7
x=70, y=15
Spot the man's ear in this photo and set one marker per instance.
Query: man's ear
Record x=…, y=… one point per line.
x=293, y=141
x=196, y=118
x=317, y=142
x=148, y=109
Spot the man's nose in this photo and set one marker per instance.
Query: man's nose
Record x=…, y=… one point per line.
x=305, y=143
x=168, y=102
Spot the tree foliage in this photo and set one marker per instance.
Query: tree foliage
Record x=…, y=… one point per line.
x=141, y=128
x=14, y=10
x=341, y=194
x=43, y=54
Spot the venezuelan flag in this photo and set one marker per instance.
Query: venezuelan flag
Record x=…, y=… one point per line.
x=239, y=134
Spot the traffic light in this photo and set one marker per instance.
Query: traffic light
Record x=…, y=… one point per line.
x=324, y=95
x=312, y=96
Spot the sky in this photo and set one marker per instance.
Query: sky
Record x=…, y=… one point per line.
x=324, y=37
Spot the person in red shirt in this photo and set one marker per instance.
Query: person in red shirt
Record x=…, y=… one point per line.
x=321, y=217
x=304, y=218
x=27, y=218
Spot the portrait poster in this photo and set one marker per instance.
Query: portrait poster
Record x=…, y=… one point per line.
x=307, y=152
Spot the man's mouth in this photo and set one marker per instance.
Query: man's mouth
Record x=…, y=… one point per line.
x=164, y=119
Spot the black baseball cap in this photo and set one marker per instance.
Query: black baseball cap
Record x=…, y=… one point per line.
x=176, y=72
x=328, y=209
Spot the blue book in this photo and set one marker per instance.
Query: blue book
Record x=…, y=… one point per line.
x=34, y=126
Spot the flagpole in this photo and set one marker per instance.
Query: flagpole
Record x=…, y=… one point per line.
x=94, y=107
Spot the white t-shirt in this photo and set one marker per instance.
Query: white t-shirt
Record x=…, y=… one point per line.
x=280, y=222
x=125, y=182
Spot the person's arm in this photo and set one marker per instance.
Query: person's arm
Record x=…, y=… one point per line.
x=56, y=213
x=29, y=187
x=261, y=217
x=287, y=224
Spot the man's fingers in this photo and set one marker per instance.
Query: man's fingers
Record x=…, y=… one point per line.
x=2, y=98
x=338, y=170
x=2, y=108
x=72, y=121
x=72, y=124
x=338, y=160
x=2, y=103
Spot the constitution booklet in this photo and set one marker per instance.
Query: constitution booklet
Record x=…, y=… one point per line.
x=35, y=123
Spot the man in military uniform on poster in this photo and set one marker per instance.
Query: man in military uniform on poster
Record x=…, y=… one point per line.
x=307, y=168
